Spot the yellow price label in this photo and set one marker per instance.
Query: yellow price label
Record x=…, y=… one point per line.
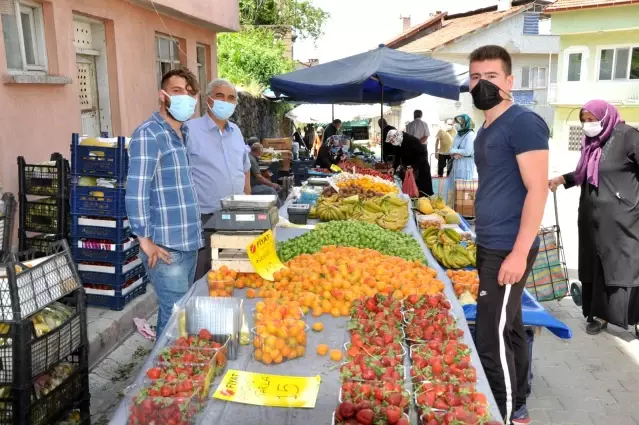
x=335, y=168
x=269, y=390
x=263, y=255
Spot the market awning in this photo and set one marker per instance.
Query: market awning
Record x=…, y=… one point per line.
x=361, y=79
x=323, y=113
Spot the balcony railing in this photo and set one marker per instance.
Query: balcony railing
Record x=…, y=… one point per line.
x=578, y=93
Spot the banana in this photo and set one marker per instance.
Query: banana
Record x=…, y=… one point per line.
x=373, y=207
x=452, y=234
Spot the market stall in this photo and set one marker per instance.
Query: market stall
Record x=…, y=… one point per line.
x=333, y=335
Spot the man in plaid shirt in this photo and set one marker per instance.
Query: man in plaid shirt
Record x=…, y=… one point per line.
x=161, y=201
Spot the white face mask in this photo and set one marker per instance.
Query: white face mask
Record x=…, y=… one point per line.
x=593, y=129
x=457, y=126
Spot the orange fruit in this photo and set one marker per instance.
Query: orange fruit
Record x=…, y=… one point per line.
x=300, y=350
x=318, y=326
x=336, y=355
x=267, y=359
x=258, y=355
x=335, y=312
x=250, y=293
x=322, y=349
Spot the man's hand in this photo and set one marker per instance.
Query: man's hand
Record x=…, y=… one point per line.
x=512, y=269
x=436, y=155
x=247, y=190
x=457, y=156
x=391, y=171
x=275, y=186
x=154, y=252
x=555, y=183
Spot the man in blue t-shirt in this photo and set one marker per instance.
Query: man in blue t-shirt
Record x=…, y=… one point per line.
x=511, y=154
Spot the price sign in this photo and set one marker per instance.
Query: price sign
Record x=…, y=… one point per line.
x=269, y=390
x=263, y=255
x=335, y=169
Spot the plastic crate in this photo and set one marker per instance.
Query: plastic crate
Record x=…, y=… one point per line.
x=300, y=176
x=116, y=302
x=299, y=167
x=25, y=356
x=99, y=161
x=45, y=215
x=115, y=275
x=98, y=201
x=40, y=245
x=6, y=223
x=47, y=279
x=112, y=229
x=21, y=407
x=530, y=336
x=44, y=180
x=119, y=254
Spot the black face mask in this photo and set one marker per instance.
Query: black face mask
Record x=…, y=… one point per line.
x=486, y=95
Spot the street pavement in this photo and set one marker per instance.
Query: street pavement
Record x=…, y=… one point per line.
x=588, y=380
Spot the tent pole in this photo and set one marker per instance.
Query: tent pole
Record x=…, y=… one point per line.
x=332, y=112
x=381, y=129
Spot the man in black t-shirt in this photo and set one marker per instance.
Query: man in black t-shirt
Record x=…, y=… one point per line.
x=511, y=154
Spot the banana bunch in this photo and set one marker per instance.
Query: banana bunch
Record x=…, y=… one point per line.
x=446, y=247
x=330, y=212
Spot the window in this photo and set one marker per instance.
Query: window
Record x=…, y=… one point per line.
x=202, y=75
x=620, y=63
x=534, y=77
x=167, y=55
x=23, y=31
x=574, y=66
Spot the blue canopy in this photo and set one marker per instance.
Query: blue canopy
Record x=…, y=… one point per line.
x=356, y=79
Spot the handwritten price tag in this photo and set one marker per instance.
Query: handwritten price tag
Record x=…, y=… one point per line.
x=335, y=169
x=269, y=390
x=263, y=255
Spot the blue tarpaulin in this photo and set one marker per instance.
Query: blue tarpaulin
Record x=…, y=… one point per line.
x=533, y=314
x=356, y=79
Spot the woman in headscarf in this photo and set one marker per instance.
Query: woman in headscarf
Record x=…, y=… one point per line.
x=330, y=153
x=608, y=218
x=317, y=143
x=462, y=154
x=410, y=152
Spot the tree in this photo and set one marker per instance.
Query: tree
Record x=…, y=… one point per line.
x=307, y=19
x=251, y=56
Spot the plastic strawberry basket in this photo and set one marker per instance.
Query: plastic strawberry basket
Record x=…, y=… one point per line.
x=116, y=302
x=20, y=406
x=97, y=201
x=112, y=229
x=99, y=161
x=24, y=356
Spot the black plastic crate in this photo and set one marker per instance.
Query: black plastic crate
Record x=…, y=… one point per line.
x=112, y=274
x=24, y=355
x=116, y=302
x=83, y=409
x=25, y=290
x=98, y=201
x=42, y=179
x=20, y=406
x=112, y=229
x=99, y=161
x=6, y=223
x=302, y=166
x=40, y=244
x=45, y=215
x=119, y=255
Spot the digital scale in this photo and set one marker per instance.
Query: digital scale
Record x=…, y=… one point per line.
x=241, y=219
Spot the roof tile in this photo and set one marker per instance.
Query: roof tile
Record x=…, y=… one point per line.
x=560, y=5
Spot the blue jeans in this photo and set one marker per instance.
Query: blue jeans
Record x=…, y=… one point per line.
x=170, y=281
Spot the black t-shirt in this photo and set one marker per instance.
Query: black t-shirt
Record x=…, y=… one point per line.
x=501, y=192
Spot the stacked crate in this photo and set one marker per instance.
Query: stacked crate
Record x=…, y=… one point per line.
x=300, y=170
x=45, y=371
x=106, y=253
x=6, y=223
x=43, y=220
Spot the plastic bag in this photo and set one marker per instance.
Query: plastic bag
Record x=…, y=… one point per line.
x=410, y=187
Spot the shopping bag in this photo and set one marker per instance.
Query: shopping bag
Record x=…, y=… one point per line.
x=548, y=279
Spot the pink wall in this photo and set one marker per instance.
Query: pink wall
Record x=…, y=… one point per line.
x=37, y=120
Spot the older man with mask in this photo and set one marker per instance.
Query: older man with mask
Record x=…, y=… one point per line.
x=218, y=157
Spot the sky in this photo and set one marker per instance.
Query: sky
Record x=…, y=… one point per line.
x=356, y=26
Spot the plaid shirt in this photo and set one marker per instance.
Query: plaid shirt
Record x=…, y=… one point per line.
x=161, y=202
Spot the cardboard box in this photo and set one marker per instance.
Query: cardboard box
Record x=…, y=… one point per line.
x=284, y=143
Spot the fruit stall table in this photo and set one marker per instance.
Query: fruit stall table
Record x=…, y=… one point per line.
x=334, y=335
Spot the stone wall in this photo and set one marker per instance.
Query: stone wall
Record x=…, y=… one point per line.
x=261, y=118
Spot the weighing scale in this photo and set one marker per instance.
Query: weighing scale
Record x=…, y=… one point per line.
x=241, y=219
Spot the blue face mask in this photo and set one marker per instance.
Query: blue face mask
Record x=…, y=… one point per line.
x=223, y=110
x=182, y=106
x=334, y=150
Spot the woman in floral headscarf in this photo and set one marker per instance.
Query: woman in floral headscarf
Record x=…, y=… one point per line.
x=608, y=218
x=410, y=152
x=330, y=153
x=462, y=154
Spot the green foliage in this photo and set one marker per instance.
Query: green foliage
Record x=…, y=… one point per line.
x=307, y=19
x=251, y=56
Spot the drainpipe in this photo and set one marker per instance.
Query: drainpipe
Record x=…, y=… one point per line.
x=549, y=75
